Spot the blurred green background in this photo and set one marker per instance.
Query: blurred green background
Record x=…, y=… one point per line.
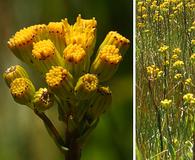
x=22, y=134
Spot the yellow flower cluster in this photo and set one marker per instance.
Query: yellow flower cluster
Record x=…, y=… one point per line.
x=189, y=98
x=192, y=28
x=153, y=72
x=178, y=64
x=192, y=58
x=193, y=42
x=166, y=103
x=163, y=48
x=62, y=53
x=178, y=76
x=177, y=51
x=188, y=81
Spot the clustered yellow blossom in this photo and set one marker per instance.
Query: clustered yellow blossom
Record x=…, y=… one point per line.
x=177, y=51
x=192, y=28
x=153, y=72
x=189, y=98
x=188, y=81
x=163, y=48
x=192, y=58
x=178, y=64
x=178, y=76
x=62, y=53
x=166, y=63
x=166, y=103
x=174, y=57
x=157, y=17
x=140, y=25
x=193, y=41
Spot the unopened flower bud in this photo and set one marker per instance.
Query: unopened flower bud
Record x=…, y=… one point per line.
x=22, y=91
x=14, y=72
x=106, y=62
x=100, y=102
x=46, y=55
x=75, y=59
x=114, y=38
x=43, y=99
x=86, y=86
x=60, y=81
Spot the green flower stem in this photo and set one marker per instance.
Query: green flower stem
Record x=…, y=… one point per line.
x=52, y=131
x=74, y=152
x=158, y=115
x=71, y=136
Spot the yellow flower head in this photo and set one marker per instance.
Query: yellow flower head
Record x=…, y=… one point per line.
x=177, y=51
x=60, y=81
x=192, y=101
x=178, y=64
x=86, y=86
x=160, y=74
x=174, y=57
x=22, y=90
x=46, y=55
x=192, y=58
x=141, y=9
x=166, y=63
x=56, y=28
x=110, y=54
x=116, y=39
x=178, y=76
x=144, y=16
x=74, y=53
x=188, y=97
x=140, y=25
x=153, y=72
x=166, y=103
x=157, y=17
x=193, y=42
x=106, y=62
x=163, y=48
x=188, y=81
x=21, y=43
x=83, y=33
x=43, y=49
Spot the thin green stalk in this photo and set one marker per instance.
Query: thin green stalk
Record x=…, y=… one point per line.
x=158, y=117
x=52, y=130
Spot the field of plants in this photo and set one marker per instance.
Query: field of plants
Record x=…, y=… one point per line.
x=165, y=79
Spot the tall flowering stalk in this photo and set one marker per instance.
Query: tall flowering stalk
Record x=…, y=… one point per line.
x=62, y=54
x=165, y=79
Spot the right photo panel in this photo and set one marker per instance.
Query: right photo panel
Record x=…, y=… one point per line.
x=165, y=79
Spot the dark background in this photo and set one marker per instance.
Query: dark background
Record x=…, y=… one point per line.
x=22, y=134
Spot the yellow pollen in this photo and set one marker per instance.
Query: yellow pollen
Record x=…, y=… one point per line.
x=74, y=53
x=119, y=38
x=56, y=27
x=39, y=27
x=19, y=86
x=110, y=54
x=56, y=75
x=104, y=91
x=25, y=36
x=43, y=49
x=90, y=82
x=22, y=37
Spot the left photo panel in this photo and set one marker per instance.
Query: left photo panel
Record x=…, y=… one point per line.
x=66, y=80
